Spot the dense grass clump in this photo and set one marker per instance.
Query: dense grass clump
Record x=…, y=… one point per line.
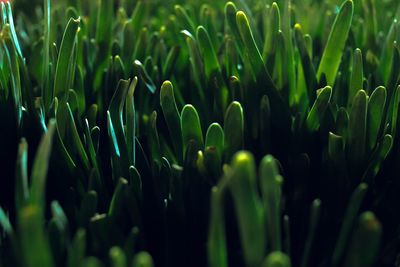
x=199, y=133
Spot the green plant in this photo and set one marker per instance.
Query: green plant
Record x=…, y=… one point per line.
x=147, y=123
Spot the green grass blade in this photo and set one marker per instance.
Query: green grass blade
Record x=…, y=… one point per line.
x=191, y=128
x=348, y=221
x=21, y=184
x=357, y=131
x=233, y=129
x=274, y=26
x=357, y=76
x=277, y=259
x=315, y=215
x=248, y=206
x=130, y=116
x=217, y=247
x=143, y=259
x=334, y=48
x=46, y=90
x=376, y=105
x=77, y=250
x=317, y=111
x=172, y=117
x=215, y=137
x=62, y=81
x=365, y=244
x=271, y=183
x=39, y=168
x=117, y=257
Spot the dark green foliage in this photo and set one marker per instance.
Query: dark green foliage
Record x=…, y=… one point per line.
x=199, y=133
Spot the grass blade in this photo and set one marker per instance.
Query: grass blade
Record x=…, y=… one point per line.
x=334, y=48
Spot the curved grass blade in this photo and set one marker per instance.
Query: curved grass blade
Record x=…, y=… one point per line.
x=191, y=128
x=314, y=117
x=248, y=206
x=274, y=26
x=142, y=259
x=116, y=109
x=308, y=67
x=376, y=105
x=271, y=183
x=217, y=247
x=39, y=168
x=46, y=93
x=77, y=250
x=334, y=48
x=382, y=151
x=348, y=222
x=117, y=257
x=215, y=137
x=233, y=129
x=357, y=130
x=172, y=117
x=277, y=259
x=365, y=243
x=63, y=79
x=315, y=215
x=357, y=76
x=131, y=121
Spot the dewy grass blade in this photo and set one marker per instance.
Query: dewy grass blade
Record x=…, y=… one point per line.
x=191, y=128
x=172, y=117
x=62, y=82
x=334, y=48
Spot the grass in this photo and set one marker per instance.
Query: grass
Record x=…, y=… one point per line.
x=199, y=133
